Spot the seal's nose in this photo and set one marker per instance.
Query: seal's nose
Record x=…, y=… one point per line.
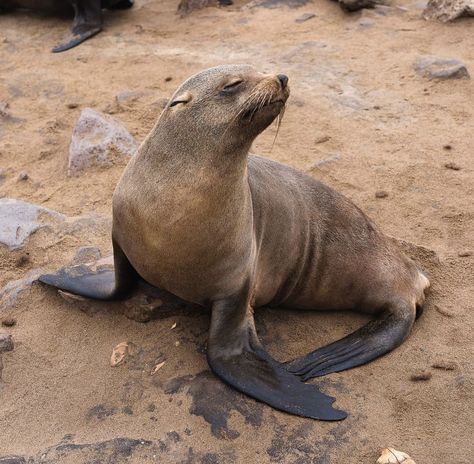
x=283, y=80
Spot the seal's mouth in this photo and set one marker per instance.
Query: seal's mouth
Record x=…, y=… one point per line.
x=275, y=106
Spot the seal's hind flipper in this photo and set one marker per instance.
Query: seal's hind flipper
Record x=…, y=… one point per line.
x=87, y=23
x=106, y=284
x=236, y=356
x=74, y=39
x=375, y=339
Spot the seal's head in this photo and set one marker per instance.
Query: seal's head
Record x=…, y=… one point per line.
x=228, y=104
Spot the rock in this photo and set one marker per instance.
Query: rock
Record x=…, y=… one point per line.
x=445, y=365
x=19, y=220
x=453, y=166
x=188, y=6
x=23, y=176
x=86, y=255
x=98, y=139
x=421, y=376
x=129, y=96
x=122, y=352
x=465, y=253
x=433, y=67
x=6, y=342
x=305, y=17
x=12, y=290
x=381, y=194
x=12, y=459
x=448, y=10
x=9, y=322
x=392, y=456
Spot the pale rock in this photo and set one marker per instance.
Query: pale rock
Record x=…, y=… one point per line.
x=448, y=10
x=392, y=456
x=98, y=140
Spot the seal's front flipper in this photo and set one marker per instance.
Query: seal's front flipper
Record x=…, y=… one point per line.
x=375, y=339
x=107, y=284
x=236, y=356
x=87, y=23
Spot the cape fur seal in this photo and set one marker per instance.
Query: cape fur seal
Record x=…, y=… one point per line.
x=87, y=15
x=197, y=215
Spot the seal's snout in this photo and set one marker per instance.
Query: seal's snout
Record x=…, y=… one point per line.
x=283, y=80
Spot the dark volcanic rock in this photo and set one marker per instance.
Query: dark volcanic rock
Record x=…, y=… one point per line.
x=433, y=67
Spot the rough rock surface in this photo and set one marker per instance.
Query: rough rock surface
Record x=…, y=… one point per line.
x=434, y=67
x=6, y=342
x=18, y=220
x=98, y=139
x=448, y=10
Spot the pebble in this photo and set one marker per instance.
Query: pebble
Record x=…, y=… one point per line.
x=433, y=67
x=6, y=342
x=168, y=79
x=72, y=105
x=453, y=166
x=86, y=255
x=392, y=456
x=465, y=253
x=445, y=365
x=305, y=17
x=9, y=322
x=421, y=376
x=381, y=194
x=98, y=139
x=23, y=176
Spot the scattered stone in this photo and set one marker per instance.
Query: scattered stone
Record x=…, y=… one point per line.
x=448, y=10
x=465, y=253
x=122, y=352
x=128, y=96
x=323, y=162
x=6, y=342
x=447, y=147
x=12, y=459
x=444, y=312
x=157, y=367
x=9, y=322
x=86, y=255
x=305, y=17
x=445, y=365
x=168, y=79
x=98, y=139
x=141, y=308
x=12, y=290
x=72, y=105
x=421, y=376
x=322, y=139
x=433, y=67
x=381, y=194
x=452, y=165
x=186, y=7
x=23, y=176
x=19, y=220
x=392, y=456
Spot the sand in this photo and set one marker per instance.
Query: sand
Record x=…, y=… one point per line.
x=359, y=118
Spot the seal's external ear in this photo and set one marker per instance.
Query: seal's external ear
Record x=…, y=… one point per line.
x=237, y=357
x=184, y=98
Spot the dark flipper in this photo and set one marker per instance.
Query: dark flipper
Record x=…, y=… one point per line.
x=375, y=339
x=236, y=356
x=109, y=284
x=87, y=23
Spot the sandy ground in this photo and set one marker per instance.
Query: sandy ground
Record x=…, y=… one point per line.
x=356, y=103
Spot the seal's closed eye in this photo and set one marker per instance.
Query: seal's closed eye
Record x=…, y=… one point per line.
x=183, y=98
x=231, y=86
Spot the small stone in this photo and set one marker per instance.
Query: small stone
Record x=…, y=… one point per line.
x=168, y=79
x=421, y=376
x=305, y=17
x=23, y=176
x=392, y=456
x=98, y=139
x=122, y=352
x=6, y=342
x=443, y=311
x=381, y=194
x=448, y=10
x=445, y=365
x=433, y=67
x=157, y=367
x=447, y=147
x=465, y=253
x=86, y=255
x=72, y=105
x=9, y=322
x=452, y=165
